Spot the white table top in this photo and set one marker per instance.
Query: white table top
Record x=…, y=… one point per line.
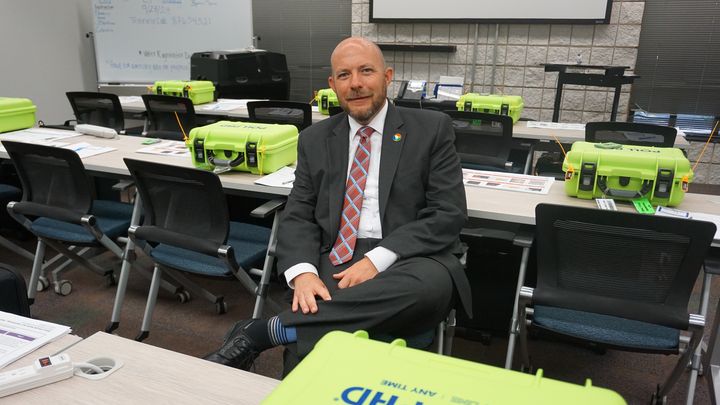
x=517, y=207
x=150, y=375
x=520, y=129
x=126, y=146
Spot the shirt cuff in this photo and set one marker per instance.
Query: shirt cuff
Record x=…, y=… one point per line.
x=382, y=258
x=297, y=270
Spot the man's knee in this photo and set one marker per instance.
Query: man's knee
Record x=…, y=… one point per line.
x=428, y=281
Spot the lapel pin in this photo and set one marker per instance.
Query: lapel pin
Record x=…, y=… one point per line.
x=397, y=137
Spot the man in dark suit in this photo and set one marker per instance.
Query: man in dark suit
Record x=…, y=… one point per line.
x=371, y=226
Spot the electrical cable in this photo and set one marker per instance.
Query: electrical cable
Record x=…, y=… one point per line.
x=92, y=367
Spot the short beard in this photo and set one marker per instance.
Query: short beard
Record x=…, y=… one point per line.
x=364, y=117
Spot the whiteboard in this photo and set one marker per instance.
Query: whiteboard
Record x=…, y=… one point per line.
x=507, y=11
x=141, y=41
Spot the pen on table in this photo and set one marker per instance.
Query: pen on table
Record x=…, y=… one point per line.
x=288, y=181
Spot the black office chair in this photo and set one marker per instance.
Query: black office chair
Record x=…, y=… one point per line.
x=484, y=142
x=57, y=206
x=94, y=108
x=630, y=133
x=101, y=109
x=619, y=280
x=186, y=228
x=334, y=110
x=162, y=119
x=281, y=112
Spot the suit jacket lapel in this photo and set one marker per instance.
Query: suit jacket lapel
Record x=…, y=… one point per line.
x=392, y=143
x=337, y=160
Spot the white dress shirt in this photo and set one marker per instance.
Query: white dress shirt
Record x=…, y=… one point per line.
x=370, y=225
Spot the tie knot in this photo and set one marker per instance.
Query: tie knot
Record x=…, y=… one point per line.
x=365, y=133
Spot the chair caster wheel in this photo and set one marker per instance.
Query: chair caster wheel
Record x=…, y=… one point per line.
x=183, y=296
x=63, y=287
x=42, y=284
x=221, y=307
x=110, y=280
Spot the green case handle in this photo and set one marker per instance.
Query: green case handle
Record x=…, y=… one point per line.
x=613, y=192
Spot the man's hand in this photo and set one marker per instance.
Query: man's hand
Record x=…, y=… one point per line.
x=359, y=272
x=307, y=286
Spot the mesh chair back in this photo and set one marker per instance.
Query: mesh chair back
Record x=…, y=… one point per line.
x=630, y=133
x=51, y=176
x=483, y=141
x=281, y=112
x=182, y=200
x=101, y=109
x=621, y=264
x=161, y=111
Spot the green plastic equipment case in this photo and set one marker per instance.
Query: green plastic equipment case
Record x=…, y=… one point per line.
x=347, y=369
x=243, y=146
x=16, y=113
x=199, y=91
x=627, y=172
x=326, y=98
x=492, y=103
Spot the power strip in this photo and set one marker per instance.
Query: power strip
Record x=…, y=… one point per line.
x=45, y=370
x=96, y=130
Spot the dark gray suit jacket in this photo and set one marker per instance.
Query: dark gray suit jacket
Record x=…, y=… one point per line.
x=421, y=193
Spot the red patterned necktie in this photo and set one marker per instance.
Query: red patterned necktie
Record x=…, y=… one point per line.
x=344, y=246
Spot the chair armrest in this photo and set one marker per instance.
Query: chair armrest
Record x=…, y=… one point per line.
x=159, y=235
x=493, y=161
x=133, y=131
x=524, y=238
x=712, y=262
x=123, y=185
x=41, y=210
x=268, y=208
x=696, y=320
x=65, y=126
x=526, y=292
x=482, y=232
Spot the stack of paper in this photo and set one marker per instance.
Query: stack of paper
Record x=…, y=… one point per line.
x=84, y=149
x=507, y=181
x=39, y=136
x=20, y=335
x=167, y=148
x=282, y=178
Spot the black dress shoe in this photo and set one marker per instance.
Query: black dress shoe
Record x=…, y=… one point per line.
x=238, y=350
